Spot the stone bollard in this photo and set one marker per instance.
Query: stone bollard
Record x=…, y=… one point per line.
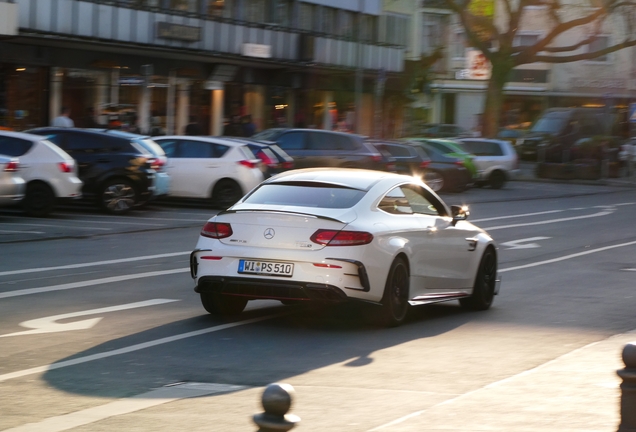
x=276, y=399
x=628, y=389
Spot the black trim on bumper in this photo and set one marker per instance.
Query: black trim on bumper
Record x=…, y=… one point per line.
x=270, y=289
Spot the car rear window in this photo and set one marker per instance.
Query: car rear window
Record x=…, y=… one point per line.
x=482, y=148
x=318, y=195
x=11, y=146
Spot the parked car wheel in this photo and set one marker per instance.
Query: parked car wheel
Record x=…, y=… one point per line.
x=219, y=304
x=117, y=196
x=396, y=294
x=484, y=289
x=226, y=192
x=39, y=199
x=497, y=179
x=434, y=180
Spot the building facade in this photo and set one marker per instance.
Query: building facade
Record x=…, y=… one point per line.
x=157, y=64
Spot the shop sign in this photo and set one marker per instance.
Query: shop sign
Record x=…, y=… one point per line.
x=598, y=83
x=132, y=81
x=257, y=50
x=166, y=30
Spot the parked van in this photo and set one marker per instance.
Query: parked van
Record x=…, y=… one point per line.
x=557, y=129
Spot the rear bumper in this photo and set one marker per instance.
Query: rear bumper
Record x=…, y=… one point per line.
x=274, y=290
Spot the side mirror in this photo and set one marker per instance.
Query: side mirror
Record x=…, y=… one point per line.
x=459, y=213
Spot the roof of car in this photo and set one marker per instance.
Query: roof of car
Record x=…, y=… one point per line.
x=210, y=139
x=22, y=135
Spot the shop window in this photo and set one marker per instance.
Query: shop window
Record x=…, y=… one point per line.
x=220, y=8
x=307, y=17
x=280, y=12
x=255, y=11
x=184, y=5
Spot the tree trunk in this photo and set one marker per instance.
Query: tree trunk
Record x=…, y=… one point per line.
x=494, y=98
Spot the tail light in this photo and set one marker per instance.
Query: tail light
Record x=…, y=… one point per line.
x=66, y=167
x=459, y=163
x=157, y=164
x=425, y=164
x=12, y=166
x=341, y=238
x=216, y=230
x=249, y=163
x=391, y=167
x=376, y=157
x=288, y=165
x=267, y=160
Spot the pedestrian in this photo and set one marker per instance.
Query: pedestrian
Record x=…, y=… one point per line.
x=155, y=126
x=193, y=128
x=233, y=128
x=249, y=128
x=64, y=120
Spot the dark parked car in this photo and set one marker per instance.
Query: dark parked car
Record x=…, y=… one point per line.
x=321, y=148
x=445, y=131
x=440, y=174
x=556, y=131
x=115, y=170
x=275, y=159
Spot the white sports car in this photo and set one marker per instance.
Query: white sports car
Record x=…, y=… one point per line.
x=332, y=235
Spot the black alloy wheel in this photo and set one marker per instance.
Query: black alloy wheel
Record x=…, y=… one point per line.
x=395, y=302
x=226, y=192
x=497, y=179
x=484, y=289
x=39, y=200
x=117, y=196
x=224, y=305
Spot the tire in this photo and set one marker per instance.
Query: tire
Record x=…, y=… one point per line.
x=395, y=303
x=497, y=179
x=484, y=288
x=117, y=196
x=226, y=193
x=39, y=200
x=434, y=180
x=224, y=305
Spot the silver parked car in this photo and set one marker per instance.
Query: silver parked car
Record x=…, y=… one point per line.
x=496, y=160
x=12, y=186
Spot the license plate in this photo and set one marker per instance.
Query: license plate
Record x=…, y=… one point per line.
x=266, y=268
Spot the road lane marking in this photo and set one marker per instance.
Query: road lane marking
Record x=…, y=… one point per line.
x=82, y=284
x=22, y=232
x=523, y=243
x=549, y=221
x=519, y=215
x=132, y=348
x=567, y=257
x=49, y=324
x=57, y=226
x=94, y=263
x=124, y=406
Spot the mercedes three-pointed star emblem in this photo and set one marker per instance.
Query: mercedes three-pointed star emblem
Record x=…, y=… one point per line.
x=269, y=233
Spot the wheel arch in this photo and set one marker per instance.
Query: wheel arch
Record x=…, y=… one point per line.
x=222, y=179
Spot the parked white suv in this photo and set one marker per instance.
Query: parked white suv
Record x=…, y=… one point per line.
x=50, y=173
x=222, y=170
x=496, y=160
x=11, y=184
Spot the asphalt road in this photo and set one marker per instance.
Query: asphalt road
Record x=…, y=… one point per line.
x=100, y=329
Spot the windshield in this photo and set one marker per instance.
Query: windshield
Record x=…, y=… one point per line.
x=268, y=134
x=320, y=195
x=549, y=124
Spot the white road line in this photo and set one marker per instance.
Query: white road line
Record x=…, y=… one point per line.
x=549, y=221
x=22, y=232
x=126, y=406
x=82, y=284
x=520, y=215
x=567, y=257
x=147, y=218
x=131, y=348
x=56, y=226
x=95, y=263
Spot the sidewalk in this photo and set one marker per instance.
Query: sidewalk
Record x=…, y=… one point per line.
x=578, y=391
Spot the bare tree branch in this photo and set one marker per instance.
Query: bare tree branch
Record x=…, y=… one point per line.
x=585, y=56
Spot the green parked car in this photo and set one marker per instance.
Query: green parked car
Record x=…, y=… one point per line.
x=451, y=148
